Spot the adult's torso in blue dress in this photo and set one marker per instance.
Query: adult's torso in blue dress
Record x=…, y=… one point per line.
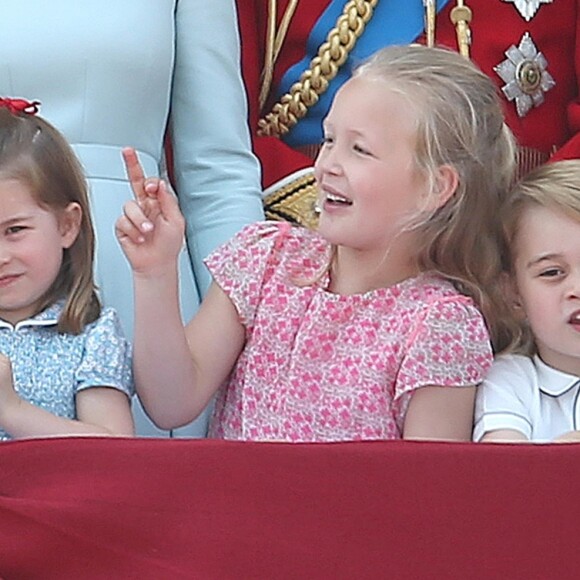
x=108, y=73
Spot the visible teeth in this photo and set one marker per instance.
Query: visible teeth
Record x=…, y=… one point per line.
x=337, y=198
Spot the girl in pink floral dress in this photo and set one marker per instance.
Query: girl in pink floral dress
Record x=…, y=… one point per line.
x=379, y=324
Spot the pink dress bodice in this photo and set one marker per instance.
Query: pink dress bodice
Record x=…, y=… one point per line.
x=319, y=366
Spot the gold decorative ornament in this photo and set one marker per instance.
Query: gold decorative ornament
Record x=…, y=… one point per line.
x=294, y=202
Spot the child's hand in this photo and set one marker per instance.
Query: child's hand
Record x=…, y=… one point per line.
x=151, y=230
x=8, y=396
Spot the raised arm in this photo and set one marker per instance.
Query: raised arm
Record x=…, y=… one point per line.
x=176, y=372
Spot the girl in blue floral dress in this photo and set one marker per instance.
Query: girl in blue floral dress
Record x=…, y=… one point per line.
x=64, y=363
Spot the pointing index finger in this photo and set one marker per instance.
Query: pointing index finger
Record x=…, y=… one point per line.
x=135, y=173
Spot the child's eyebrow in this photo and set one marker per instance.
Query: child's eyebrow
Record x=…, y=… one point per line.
x=543, y=258
x=16, y=219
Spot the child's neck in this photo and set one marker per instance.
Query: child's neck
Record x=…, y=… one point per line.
x=356, y=272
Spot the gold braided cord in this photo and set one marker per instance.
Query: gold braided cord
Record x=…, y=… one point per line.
x=314, y=81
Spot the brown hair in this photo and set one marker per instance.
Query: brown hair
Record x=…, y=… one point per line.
x=555, y=186
x=460, y=124
x=34, y=153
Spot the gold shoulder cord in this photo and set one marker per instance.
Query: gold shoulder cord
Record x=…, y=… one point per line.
x=332, y=54
x=295, y=202
x=314, y=81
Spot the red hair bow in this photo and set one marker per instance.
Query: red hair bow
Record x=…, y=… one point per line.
x=19, y=105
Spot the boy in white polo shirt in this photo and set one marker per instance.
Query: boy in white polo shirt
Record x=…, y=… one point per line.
x=534, y=395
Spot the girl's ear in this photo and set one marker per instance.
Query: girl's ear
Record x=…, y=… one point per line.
x=446, y=182
x=70, y=223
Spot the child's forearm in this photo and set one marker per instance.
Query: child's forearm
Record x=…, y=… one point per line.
x=569, y=437
x=164, y=369
x=23, y=419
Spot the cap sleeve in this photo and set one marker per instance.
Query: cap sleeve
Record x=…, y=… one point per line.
x=106, y=358
x=449, y=346
x=241, y=266
x=504, y=398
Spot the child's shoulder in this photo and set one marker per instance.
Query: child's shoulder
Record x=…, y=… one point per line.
x=429, y=288
x=434, y=298
x=108, y=322
x=284, y=240
x=529, y=369
x=280, y=231
x=513, y=364
x=265, y=250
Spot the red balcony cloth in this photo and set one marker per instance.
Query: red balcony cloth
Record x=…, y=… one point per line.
x=145, y=508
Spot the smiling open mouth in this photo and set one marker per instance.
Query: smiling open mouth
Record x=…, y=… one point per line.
x=335, y=199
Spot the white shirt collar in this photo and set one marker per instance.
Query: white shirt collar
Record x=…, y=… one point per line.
x=48, y=317
x=552, y=381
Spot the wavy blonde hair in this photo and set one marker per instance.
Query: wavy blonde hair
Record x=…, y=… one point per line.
x=554, y=186
x=459, y=124
x=34, y=153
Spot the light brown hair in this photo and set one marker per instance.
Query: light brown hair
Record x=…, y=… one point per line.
x=34, y=153
x=554, y=186
x=460, y=124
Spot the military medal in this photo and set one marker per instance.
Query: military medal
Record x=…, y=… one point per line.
x=528, y=8
x=525, y=73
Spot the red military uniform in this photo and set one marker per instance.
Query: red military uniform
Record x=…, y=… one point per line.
x=549, y=27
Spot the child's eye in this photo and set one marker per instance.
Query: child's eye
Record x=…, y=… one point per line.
x=361, y=150
x=327, y=140
x=551, y=272
x=15, y=229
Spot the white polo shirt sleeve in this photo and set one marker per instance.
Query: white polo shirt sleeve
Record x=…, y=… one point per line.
x=505, y=399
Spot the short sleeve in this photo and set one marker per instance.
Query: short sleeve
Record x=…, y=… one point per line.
x=449, y=347
x=241, y=266
x=503, y=399
x=106, y=360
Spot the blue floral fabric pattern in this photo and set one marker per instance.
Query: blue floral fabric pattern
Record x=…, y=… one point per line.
x=50, y=368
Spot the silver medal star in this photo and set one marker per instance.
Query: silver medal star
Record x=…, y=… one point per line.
x=528, y=8
x=524, y=72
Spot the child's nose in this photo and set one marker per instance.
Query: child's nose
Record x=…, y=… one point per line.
x=4, y=253
x=573, y=289
x=328, y=160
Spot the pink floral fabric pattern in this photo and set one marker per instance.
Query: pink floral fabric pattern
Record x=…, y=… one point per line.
x=319, y=366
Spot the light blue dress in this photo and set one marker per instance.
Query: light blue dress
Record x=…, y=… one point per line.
x=108, y=73
x=50, y=368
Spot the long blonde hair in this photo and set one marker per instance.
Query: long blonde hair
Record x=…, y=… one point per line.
x=554, y=186
x=33, y=152
x=460, y=124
